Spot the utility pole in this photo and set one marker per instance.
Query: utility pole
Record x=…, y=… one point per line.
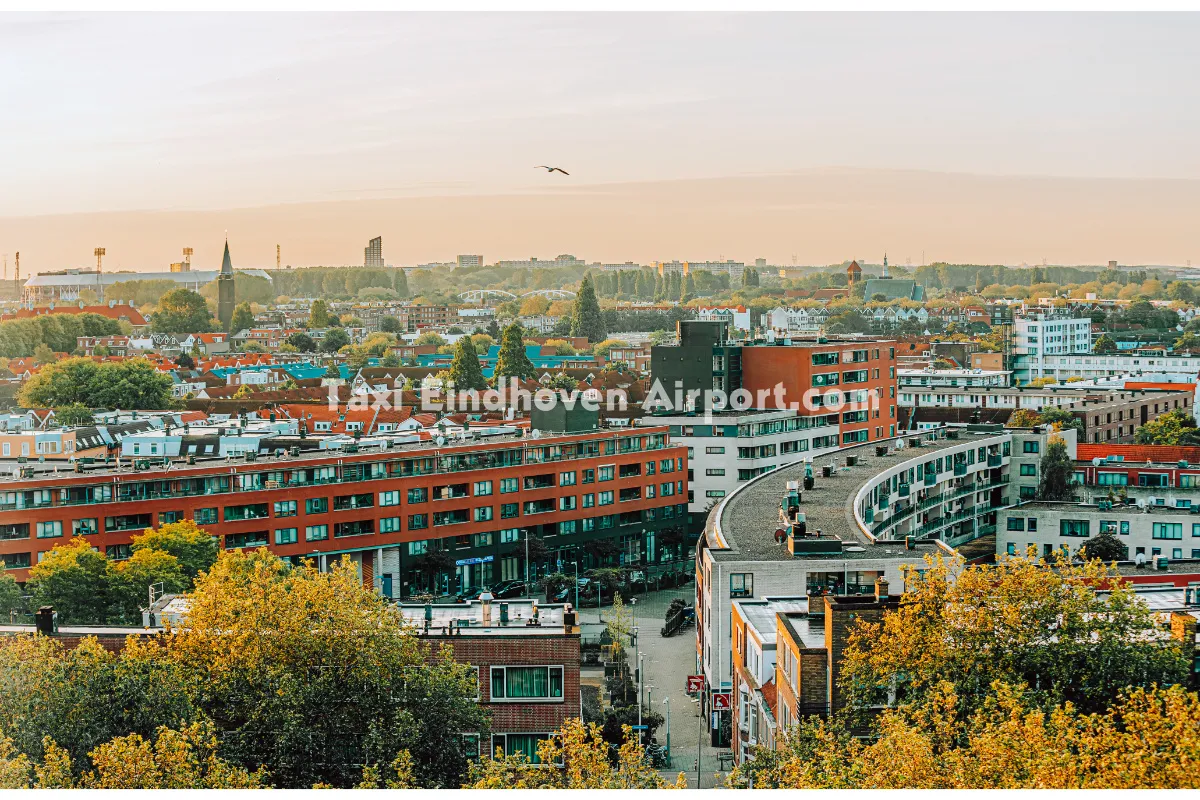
x=667, y=703
x=699, y=734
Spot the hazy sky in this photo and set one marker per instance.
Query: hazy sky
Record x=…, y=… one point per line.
x=119, y=112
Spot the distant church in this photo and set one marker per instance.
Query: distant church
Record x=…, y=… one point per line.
x=225, y=297
x=892, y=288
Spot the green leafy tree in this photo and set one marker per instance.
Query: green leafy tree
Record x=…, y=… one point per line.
x=430, y=338
x=465, y=370
x=182, y=311
x=75, y=580
x=848, y=322
x=1057, y=471
x=195, y=547
x=1105, y=547
x=390, y=325
x=586, y=319
x=512, y=360
x=302, y=342
x=1104, y=345
x=42, y=354
x=243, y=318
x=335, y=339
x=73, y=415
x=1176, y=427
x=1061, y=418
x=130, y=581
x=390, y=359
x=11, y=599
x=131, y=384
x=318, y=315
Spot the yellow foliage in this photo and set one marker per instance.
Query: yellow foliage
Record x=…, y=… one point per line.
x=178, y=759
x=576, y=757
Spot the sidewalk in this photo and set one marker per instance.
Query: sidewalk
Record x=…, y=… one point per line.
x=668, y=662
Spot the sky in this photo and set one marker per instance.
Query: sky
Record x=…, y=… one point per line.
x=138, y=127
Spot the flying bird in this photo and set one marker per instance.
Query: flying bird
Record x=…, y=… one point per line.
x=552, y=169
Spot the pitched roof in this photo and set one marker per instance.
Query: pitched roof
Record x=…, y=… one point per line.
x=226, y=261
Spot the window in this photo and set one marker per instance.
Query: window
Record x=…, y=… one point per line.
x=117, y=552
x=714, y=493
x=483, y=514
x=1031, y=524
x=714, y=473
x=589, y=500
x=483, y=488
x=249, y=511
x=316, y=505
x=1074, y=527
x=1152, y=480
x=566, y=479
x=1125, y=526
x=418, y=548
x=855, y=436
x=527, y=683
x=389, y=525
x=715, y=451
x=456, y=517
x=49, y=530
x=205, y=516
x=511, y=744
x=825, y=359
x=285, y=536
x=589, y=476
x=1029, y=470
x=510, y=510
x=390, y=498
x=606, y=473
x=348, y=502
x=235, y=541
x=1108, y=526
x=509, y=485
x=855, y=376
x=285, y=508
x=1167, y=530
x=606, y=498
x=79, y=527
x=510, y=535
x=825, y=379
x=1028, y=492
x=741, y=584
x=1112, y=479
x=168, y=517
x=1016, y=524
x=356, y=528
x=1011, y=549
x=419, y=495
x=567, y=527
x=566, y=503
x=316, y=533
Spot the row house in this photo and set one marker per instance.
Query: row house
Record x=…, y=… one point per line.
x=115, y=345
x=205, y=343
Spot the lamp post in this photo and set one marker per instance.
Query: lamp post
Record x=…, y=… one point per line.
x=576, y=565
x=526, y=532
x=667, y=703
x=649, y=703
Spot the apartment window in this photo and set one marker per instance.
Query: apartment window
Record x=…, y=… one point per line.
x=117, y=552
x=316, y=505
x=589, y=476
x=168, y=517
x=589, y=500
x=483, y=488
x=483, y=514
x=389, y=525
x=1112, y=479
x=358, y=527
x=825, y=359
x=714, y=493
x=316, y=533
x=1031, y=447
x=1027, y=492
x=566, y=479
x=1028, y=470
x=1125, y=527
x=456, y=517
x=1016, y=524
x=825, y=379
x=566, y=503
x=1031, y=524
x=1011, y=549
x=567, y=527
x=285, y=508
x=205, y=516
x=606, y=473
x=510, y=535
x=49, y=530
x=1167, y=530
x=419, y=495
x=741, y=584
x=853, y=437
x=527, y=683
x=510, y=510
x=79, y=527
x=856, y=376
x=249, y=511
x=285, y=536
x=606, y=498
x=1074, y=527
x=389, y=498
x=1154, y=480
x=348, y=502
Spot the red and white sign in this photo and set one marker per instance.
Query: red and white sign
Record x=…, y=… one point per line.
x=695, y=683
x=721, y=701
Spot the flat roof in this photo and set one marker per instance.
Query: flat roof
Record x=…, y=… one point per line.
x=742, y=528
x=760, y=614
x=467, y=619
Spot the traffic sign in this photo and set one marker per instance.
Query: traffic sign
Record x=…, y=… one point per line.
x=695, y=683
x=721, y=701
x=639, y=727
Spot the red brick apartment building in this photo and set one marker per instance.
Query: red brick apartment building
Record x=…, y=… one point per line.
x=597, y=498
x=526, y=658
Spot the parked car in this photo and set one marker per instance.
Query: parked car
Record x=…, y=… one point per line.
x=508, y=589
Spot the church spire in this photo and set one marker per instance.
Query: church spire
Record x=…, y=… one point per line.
x=226, y=262
x=885, y=269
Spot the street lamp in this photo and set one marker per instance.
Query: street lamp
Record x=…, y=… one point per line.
x=576, y=565
x=667, y=703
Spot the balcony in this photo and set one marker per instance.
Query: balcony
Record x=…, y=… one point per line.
x=960, y=469
x=904, y=490
x=994, y=460
x=930, y=479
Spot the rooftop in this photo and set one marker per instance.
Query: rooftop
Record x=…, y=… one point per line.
x=742, y=527
x=526, y=617
x=807, y=631
x=760, y=614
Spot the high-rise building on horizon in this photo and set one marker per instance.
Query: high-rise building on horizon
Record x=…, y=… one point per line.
x=373, y=253
x=469, y=261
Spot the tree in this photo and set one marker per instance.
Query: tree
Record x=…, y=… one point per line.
x=1104, y=345
x=687, y=289
x=338, y=683
x=74, y=579
x=42, y=354
x=243, y=318
x=335, y=339
x=182, y=311
x=130, y=581
x=1105, y=547
x=848, y=322
x=390, y=325
x=465, y=370
x=11, y=600
x=512, y=360
x=302, y=342
x=318, y=315
x=586, y=319
x=535, y=306
x=429, y=338
x=1176, y=427
x=1057, y=472
x=131, y=384
x=176, y=759
x=73, y=415
x=1060, y=419
x=562, y=381
x=195, y=547
x=581, y=759
x=1015, y=622
x=185, y=361
x=390, y=360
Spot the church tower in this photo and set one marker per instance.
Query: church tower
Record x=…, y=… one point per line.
x=225, y=297
x=885, y=269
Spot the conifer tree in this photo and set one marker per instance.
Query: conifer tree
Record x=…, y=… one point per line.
x=465, y=371
x=586, y=319
x=687, y=288
x=512, y=360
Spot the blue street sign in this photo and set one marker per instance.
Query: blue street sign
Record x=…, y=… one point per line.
x=639, y=727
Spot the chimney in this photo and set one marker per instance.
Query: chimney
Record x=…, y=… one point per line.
x=881, y=589
x=485, y=604
x=503, y=614
x=816, y=606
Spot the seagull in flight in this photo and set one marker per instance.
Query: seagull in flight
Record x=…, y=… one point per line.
x=552, y=169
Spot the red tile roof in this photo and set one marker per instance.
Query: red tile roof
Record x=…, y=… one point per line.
x=1139, y=453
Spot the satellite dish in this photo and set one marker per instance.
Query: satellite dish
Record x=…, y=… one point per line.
x=536, y=434
x=1097, y=461
x=441, y=440
x=1140, y=559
